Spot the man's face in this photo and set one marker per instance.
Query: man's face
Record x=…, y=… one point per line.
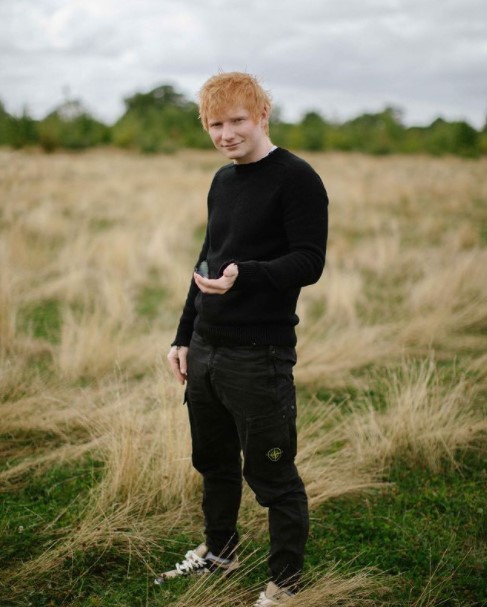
x=238, y=136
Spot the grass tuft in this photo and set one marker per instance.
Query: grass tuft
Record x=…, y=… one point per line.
x=97, y=489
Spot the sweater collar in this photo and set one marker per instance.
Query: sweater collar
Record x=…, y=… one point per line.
x=274, y=153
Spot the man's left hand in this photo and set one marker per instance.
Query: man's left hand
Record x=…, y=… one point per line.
x=218, y=286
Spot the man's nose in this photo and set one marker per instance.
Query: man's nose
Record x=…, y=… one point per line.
x=227, y=131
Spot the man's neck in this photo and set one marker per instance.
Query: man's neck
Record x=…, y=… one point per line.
x=264, y=151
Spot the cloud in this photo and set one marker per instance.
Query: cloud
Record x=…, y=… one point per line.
x=340, y=58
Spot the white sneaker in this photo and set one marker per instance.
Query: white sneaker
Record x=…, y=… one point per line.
x=199, y=561
x=273, y=595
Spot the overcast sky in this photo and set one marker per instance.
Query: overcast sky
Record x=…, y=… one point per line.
x=338, y=57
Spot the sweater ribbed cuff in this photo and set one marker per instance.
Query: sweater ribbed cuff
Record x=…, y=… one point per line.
x=248, y=275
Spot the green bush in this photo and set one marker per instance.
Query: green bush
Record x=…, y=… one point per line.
x=164, y=121
x=70, y=126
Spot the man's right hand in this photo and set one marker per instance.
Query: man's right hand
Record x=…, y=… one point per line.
x=178, y=361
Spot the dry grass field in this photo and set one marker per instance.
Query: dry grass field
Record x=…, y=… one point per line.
x=96, y=254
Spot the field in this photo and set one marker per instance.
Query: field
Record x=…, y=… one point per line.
x=97, y=493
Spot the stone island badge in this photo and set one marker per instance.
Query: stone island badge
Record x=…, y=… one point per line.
x=274, y=454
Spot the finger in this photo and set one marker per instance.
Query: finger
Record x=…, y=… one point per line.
x=183, y=361
x=215, y=286
x=179, y=376
x=174, y=365
x=217, y=290
x=200, y=282
x=207, y=285
x=231, y=270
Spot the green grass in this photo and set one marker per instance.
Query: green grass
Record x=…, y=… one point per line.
x=423, y=525
x=150, y=300
x=43, y=320
x=427, y=531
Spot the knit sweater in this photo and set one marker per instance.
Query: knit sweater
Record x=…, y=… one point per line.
x=270, y=218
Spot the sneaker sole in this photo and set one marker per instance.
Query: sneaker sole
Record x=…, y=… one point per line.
x=174, y=573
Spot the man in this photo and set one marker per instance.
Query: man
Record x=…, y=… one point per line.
x=235, y=343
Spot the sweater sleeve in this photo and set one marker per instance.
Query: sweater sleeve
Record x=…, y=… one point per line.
x=186, y=322
x=305, y=221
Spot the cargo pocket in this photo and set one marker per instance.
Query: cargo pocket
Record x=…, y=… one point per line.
x=270, y=447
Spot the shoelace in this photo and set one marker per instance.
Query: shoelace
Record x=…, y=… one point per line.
x=190, y=563
x=263, y=601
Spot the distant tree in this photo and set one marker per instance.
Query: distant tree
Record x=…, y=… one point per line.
x=163, y=120
x=379, y=133
x=313, y=132
x=5, y=123
x=483, y=138
x=414, y=140
x=459, y=138
x=161, y=97
x=17, y=131
x=466, y=140
x=281, y=131
x=71, y=126
x=160, y=120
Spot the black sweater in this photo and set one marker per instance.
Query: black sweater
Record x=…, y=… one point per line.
x=270, y=218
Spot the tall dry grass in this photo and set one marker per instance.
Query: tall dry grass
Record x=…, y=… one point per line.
x=427, y=421
x=102, y=237
x=335, y=588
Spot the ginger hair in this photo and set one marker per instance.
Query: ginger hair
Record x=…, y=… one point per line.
x=230, y=90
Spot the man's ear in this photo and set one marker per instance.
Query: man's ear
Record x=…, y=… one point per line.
x=264, y=116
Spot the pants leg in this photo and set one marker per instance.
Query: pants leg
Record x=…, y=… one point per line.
x=215, y=452
x=256, y=386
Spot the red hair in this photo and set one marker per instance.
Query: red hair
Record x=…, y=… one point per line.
x=230, y=90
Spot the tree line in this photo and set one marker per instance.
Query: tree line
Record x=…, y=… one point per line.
x=163, y=120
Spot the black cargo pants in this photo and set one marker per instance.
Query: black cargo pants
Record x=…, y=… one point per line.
x=242, y=400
